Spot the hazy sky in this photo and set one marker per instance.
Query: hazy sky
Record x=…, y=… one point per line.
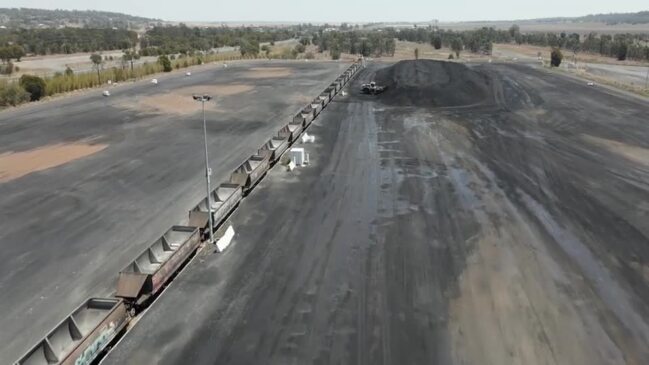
x=342, y=10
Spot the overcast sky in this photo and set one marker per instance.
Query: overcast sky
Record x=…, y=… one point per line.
x=342, y=10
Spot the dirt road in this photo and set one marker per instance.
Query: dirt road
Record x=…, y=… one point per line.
x=506, y=226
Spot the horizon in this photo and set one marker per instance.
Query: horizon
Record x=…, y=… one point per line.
x=401, y=13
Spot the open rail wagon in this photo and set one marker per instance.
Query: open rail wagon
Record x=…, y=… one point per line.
x=329, y=93
x=152, y=269
x=82, y=335
x=274, y=148
x=317, y=104
x=224, y=199
x=336, y=85
x=291, y=131
x=309, y=113
x=299, y=118
x=250, y=172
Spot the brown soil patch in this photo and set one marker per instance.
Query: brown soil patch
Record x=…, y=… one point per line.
x=180, y=102
x=17, y=164
x=633, y=153
x=267, y=72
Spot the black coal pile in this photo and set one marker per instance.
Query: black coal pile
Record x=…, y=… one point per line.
x=431, y=83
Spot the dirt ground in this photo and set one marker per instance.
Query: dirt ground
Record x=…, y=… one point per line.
x=533, y=51
x=631, y=152
x=267, y=72
x=180, y=101
x=17, y=164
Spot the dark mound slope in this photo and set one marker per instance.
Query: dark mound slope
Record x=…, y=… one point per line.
x=432, y=83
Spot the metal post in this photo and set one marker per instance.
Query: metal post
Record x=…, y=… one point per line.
x=208, y=173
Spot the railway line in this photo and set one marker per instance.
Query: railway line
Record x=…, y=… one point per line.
x=84, y=335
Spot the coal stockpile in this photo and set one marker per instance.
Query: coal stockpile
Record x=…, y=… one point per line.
x=432, y=83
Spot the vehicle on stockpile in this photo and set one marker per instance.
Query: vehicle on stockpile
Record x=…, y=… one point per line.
x=224, y=199
x=82, y=335
x=250, y=172
x=372, y=88
x=148, y=274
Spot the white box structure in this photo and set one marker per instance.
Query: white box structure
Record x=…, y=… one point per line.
x=296, y=154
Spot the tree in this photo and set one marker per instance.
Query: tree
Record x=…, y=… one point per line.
x=305, y=41
x=621, y=50
x=249, y=47
x=436, y=42
x=300, y=48
x=266, y=49
x=514, y=31
x=96, y=63
x=165, y=62
x=335, y=53
x=416, y=53
x=34, y=85
x=556, y=57
x=17, y=52
x=129, y=56
x=456, y=46
x=7, y=69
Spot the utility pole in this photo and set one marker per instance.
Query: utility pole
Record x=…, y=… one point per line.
x=208, y=170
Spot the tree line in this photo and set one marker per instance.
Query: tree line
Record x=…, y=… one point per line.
x=183, y=39
x=620, y=46
x=67, y=40
x=366, y=43
x=34, y=18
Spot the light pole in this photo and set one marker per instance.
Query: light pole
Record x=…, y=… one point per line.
x=208, y=170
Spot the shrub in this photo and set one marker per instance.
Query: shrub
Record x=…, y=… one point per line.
x=335, y=54
x=7, y=69
x=165, y=63
x=34, y=85
x=556, y=57
x=12, y=94
x=309, y=55
x=437, y=42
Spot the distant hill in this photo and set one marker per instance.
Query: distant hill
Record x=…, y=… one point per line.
x=641, y=17
x=41, y=18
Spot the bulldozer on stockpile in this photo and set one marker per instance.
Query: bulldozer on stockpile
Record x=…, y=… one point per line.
x=372, y=88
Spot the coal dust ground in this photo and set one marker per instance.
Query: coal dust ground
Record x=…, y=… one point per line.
x=87, y=182
x=501, y=224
